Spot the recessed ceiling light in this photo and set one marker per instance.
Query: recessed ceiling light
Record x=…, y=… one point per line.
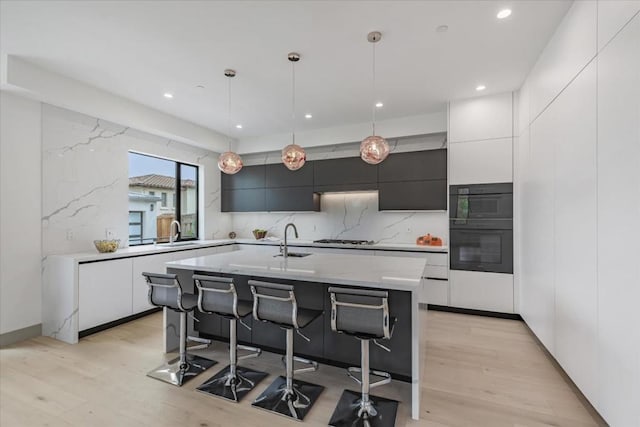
x=238, y=126
x=200, y=87
x=504, y=13
x=379, y=104
x=480, y=87
x=307, y=116
x=168, y=95
x=442, y=29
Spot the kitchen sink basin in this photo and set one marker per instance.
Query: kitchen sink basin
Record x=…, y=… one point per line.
x=178, y=244
x=295, y=254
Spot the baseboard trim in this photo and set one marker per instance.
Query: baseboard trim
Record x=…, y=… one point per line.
x=510, y=316
x=115, y=323
x=13, y=337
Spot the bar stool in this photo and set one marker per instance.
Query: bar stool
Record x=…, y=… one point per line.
x=218, y=295
x=363, y=314
x=276, y=303
x=165, y=291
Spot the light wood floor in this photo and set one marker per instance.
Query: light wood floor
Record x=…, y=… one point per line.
x=476, y=372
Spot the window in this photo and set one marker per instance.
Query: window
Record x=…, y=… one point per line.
x=153, y=184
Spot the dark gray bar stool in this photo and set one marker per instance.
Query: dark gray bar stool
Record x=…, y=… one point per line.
x=165, y=291
x=218, y=295
x=363, y=314
x=276, y=303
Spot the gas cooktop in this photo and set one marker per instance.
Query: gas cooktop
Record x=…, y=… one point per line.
x=345, y=242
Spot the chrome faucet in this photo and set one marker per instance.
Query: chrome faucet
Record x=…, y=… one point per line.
x=285, y=251
x=173, y=237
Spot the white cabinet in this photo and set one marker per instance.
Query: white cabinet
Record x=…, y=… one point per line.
x=618, y=184
x=104, y=292
x=434, y=287
x=486, y=117
x=481, y=140
x=481, y=162
x=481, y=291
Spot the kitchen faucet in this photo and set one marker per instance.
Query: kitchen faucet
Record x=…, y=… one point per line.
x=173, y=237
x=285, y=252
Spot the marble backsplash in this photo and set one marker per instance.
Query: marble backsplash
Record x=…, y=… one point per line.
x=347, y=216
x=85, y=180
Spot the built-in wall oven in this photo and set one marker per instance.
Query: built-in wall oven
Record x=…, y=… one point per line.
x=481, y=227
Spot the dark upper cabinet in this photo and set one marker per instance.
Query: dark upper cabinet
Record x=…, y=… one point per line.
x=244, y=200
x=414, y=166
x=348, y=174
x=278, y=176
x=413, y=195
x=248, y=177
x=292, y=199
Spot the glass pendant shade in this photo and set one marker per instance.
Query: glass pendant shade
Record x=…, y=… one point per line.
x=229, y=163
x=293, y=157
x=374, y=149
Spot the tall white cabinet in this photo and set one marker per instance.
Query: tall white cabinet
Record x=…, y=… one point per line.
x=578, y=178
x=480, y=136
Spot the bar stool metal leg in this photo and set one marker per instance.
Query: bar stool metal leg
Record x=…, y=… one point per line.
x=360, y=409
x=286, y=395
x=186, y=366
x=234, y=382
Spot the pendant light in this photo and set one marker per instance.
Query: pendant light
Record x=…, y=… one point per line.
x=293, y=156
x=229, y=162
x=374, y=149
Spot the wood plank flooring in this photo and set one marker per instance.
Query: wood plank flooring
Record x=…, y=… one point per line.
x=476, y=371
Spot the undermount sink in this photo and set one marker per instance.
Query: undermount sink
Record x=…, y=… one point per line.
x=295, y=254
x=177, y=244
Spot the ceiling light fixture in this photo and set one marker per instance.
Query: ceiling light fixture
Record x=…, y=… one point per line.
x=374, y=149
x=442, y=28
x=229, y=162
x=504, y=13
x=293, y=156
x=480, y=88
x=168, y=95
x=379, y=104
x=307, y=116
x=238, y=126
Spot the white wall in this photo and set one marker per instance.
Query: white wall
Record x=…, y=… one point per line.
x=403, y=126
x=349, y=215
x=20, y=184
x=577, y=176
x=85, y=182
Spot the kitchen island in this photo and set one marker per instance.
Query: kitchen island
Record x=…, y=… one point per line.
x=311, y=276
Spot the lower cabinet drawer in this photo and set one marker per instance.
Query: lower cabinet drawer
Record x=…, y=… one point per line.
x=436, y=271
x=435, y=292
x=482, y=291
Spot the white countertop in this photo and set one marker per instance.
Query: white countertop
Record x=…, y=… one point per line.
x=145, y=250
x=162, y=248
x=386, y=272
x=375, y=247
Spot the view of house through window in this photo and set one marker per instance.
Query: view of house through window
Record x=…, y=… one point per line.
x=161, y=191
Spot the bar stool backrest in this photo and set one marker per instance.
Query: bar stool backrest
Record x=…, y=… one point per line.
x=274, y=302
x=360, y=312
x=164, y=290
x=216, y=295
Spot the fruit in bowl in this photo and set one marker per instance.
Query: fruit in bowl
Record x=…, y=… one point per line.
x=105, y=246
x=259, y=233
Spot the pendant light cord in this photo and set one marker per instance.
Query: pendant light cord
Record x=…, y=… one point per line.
x=293, y=102
x=373, y=91
x=229, y=109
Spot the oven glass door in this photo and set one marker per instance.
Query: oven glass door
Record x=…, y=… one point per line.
x=481, y=206
x=482, y=250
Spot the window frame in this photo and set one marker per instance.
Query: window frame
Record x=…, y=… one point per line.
x=177, y=206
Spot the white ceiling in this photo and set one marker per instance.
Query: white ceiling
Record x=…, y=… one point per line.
x=141, y=49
